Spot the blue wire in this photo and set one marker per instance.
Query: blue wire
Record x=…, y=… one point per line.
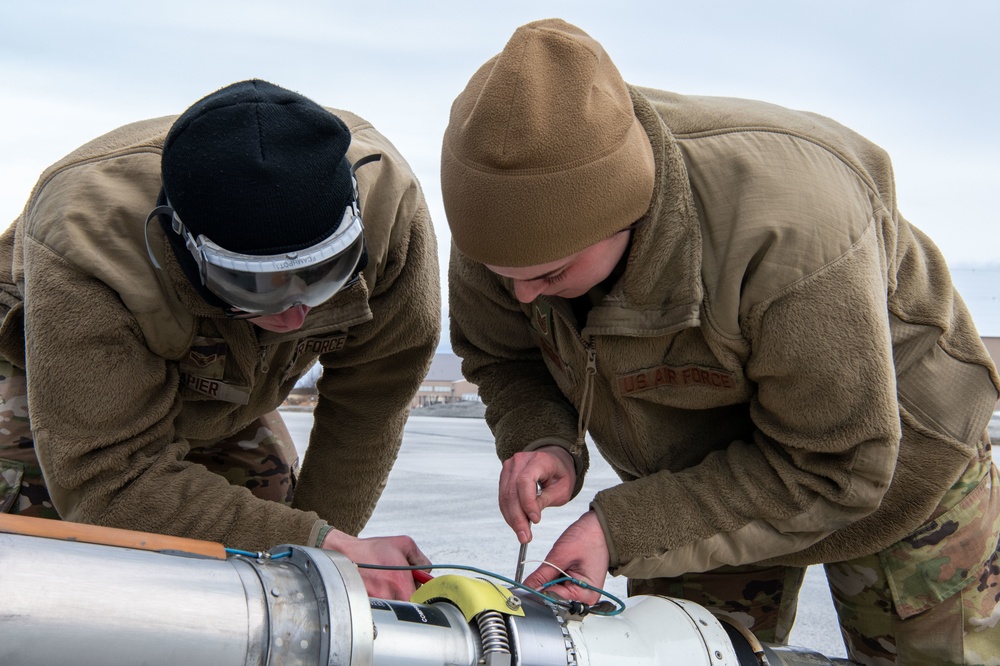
x=462, y=567
x=244, y=553
x=588, y=586
x=258, y=556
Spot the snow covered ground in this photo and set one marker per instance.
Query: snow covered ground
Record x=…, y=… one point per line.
x=442, y=492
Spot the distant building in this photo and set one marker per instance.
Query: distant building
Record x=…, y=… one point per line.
x=993, y=347
x=445, y=383
x=302, y=397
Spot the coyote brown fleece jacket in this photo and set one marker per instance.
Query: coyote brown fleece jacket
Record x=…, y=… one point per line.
x=784, y=372
x=114, y=352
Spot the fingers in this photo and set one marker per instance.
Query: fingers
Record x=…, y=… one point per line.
x=529, y=491
x=541, y=576
x=400, y=585
x=581, y=552
x=530, y=481
x=413, y=554
x=511, y=506
x=565, y=590
x=574, y=593
x=388, y=551
x=394, y=585
x=551, y=468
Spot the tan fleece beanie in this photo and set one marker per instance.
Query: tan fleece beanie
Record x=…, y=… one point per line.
x=543, y=155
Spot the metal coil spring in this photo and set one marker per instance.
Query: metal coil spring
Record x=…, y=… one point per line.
x=493, y=632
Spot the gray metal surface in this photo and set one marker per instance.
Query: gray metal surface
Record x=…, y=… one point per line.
x=73, y=603
x=90, y=605
x=539, y=640
x=419, y=635
x=82, y=603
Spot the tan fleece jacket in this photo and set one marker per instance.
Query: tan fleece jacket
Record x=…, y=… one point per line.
x=784, y=373
x=114, y=352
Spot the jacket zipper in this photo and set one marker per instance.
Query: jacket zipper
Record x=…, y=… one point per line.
x=587, y=399
x=586, y=406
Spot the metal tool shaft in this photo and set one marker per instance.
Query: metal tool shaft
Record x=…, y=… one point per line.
x=523, y=551
x=519, y=571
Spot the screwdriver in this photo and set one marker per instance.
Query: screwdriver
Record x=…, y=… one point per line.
x=523, y=550
x=519, y=571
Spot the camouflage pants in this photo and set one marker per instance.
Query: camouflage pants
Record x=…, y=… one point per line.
x=932, y=598
x=260, y=457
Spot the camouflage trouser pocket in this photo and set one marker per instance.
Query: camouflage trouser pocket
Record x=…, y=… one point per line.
x=933, y=597
x=943, y=556
x=11, y=474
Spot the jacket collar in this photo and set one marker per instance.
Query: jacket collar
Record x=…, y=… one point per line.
x=661, y=290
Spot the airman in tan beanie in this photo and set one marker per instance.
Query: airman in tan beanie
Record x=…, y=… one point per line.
x=722, y=295
x=543, y=155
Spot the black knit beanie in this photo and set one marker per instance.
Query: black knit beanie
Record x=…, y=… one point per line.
x=258, y=169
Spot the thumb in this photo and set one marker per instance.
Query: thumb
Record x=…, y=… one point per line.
x=413, y=554
x=541, y=576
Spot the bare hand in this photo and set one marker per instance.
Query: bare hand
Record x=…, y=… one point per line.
x=581, y=552
x=549, y=468
x=392, y=551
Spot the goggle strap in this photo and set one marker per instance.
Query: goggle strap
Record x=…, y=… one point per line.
x=354, y=181
x=365, y=160
x=160, y=274
x=159, y=210
x=189, y=242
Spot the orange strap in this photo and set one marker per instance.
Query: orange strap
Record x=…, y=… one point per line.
x=108, y=536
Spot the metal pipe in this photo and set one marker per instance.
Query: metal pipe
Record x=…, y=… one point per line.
x=92, y=604
x=81, y=603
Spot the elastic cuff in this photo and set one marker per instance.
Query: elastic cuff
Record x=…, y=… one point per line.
x=613, y=562
x=321, y=535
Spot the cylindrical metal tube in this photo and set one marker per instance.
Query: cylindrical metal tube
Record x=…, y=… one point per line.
x=91, y=604
x=68, y=602
x=654, y=630
x=408, y=634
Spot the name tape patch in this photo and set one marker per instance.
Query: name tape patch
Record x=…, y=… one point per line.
x=682, y=377
x=314, y=346
x=216, y=389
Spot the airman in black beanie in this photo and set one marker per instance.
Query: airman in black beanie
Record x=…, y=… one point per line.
x=165, y=288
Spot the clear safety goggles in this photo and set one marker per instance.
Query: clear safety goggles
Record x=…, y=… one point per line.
x=258, y=285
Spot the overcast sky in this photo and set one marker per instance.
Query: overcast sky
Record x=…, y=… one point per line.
x=918, y=78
